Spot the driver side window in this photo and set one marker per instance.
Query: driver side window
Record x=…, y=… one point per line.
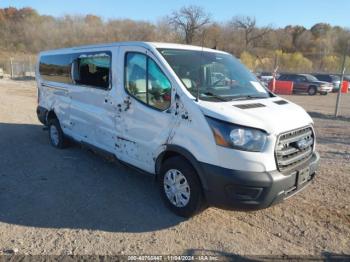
x=145, y=81
x=300, y=79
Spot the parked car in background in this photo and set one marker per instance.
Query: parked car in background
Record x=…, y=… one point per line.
x=333, y=79
x=346, y=78
x=1, y=73
x=265, y=77
x=305, y=83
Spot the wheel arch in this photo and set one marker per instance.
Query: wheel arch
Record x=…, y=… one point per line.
x=175, y=150
x=50, y=115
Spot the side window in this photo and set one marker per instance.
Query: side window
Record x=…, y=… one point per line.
x=93, y=69
x=293, y=78
x=159, y=87
x=301, y=79
x=283, y=78
x=135, y=75
x=145, y=81
x=288, y=78
x=321, y=78
x=56, y=68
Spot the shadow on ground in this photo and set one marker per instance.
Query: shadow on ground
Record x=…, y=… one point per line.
x=41, y=186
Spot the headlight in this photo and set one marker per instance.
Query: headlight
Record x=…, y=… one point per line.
x=238, y=137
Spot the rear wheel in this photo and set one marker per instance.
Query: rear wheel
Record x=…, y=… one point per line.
x=180, y=187
x=56, y=136
x=312, y=90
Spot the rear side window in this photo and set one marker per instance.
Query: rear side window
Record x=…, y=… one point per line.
x=300, y=79
x=145, y=81
x=93, y=69
x=283, y=77
x=323, y=78
x=334, y=78
x=56, y=68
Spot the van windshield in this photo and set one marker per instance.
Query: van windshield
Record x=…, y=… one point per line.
x=215, y=76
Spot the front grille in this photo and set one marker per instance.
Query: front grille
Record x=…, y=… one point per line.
x=294, y=148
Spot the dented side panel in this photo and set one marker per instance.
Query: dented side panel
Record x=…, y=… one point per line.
x=141, y=130
x=55, y=97
x=135, y=133
x=143, y=133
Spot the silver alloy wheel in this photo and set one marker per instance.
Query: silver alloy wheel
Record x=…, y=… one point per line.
x=54, y=135
x=314, y=91
x=176, y=188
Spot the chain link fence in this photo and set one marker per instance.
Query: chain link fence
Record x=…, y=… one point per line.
x=17, y=68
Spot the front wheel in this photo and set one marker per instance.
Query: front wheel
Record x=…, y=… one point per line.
x=312, y=90
x=180, y=187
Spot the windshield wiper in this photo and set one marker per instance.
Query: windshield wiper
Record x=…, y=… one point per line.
x=248, y=97
x=216, y=96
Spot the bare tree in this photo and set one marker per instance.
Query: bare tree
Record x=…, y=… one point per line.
x=251, y=33
x=189, y=20
x=295, y=32
x=24, y=31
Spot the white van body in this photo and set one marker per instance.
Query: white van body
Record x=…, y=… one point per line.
x=176, y=124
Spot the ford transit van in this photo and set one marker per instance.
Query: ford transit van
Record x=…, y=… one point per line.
x=195, y=118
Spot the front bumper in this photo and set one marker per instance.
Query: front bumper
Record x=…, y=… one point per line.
x=242, y=190
x=325, y=89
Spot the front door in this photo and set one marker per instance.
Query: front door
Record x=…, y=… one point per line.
x=143, y=122
x=300, y=84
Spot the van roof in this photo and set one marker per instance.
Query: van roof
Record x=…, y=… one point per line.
x=141, y=44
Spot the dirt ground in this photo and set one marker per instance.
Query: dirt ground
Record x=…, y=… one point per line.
x=74, y=201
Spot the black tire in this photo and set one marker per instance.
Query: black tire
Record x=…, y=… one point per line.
x=196, y=199
x=324, y=93
x=312, y=90
x=62, y=141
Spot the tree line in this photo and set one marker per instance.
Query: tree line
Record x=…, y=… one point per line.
x=262, y=48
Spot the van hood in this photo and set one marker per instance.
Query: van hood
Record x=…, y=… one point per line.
x=265, y=114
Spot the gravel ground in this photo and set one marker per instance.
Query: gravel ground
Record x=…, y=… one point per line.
x=74, y=201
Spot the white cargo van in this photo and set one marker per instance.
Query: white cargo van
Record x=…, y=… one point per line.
x=193, y=117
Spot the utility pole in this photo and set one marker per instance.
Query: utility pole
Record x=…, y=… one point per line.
x=274, y=74
x=30, y=66
x=341, y=80
x=11, y=61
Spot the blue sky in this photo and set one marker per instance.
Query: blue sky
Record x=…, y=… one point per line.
x=267, y=12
